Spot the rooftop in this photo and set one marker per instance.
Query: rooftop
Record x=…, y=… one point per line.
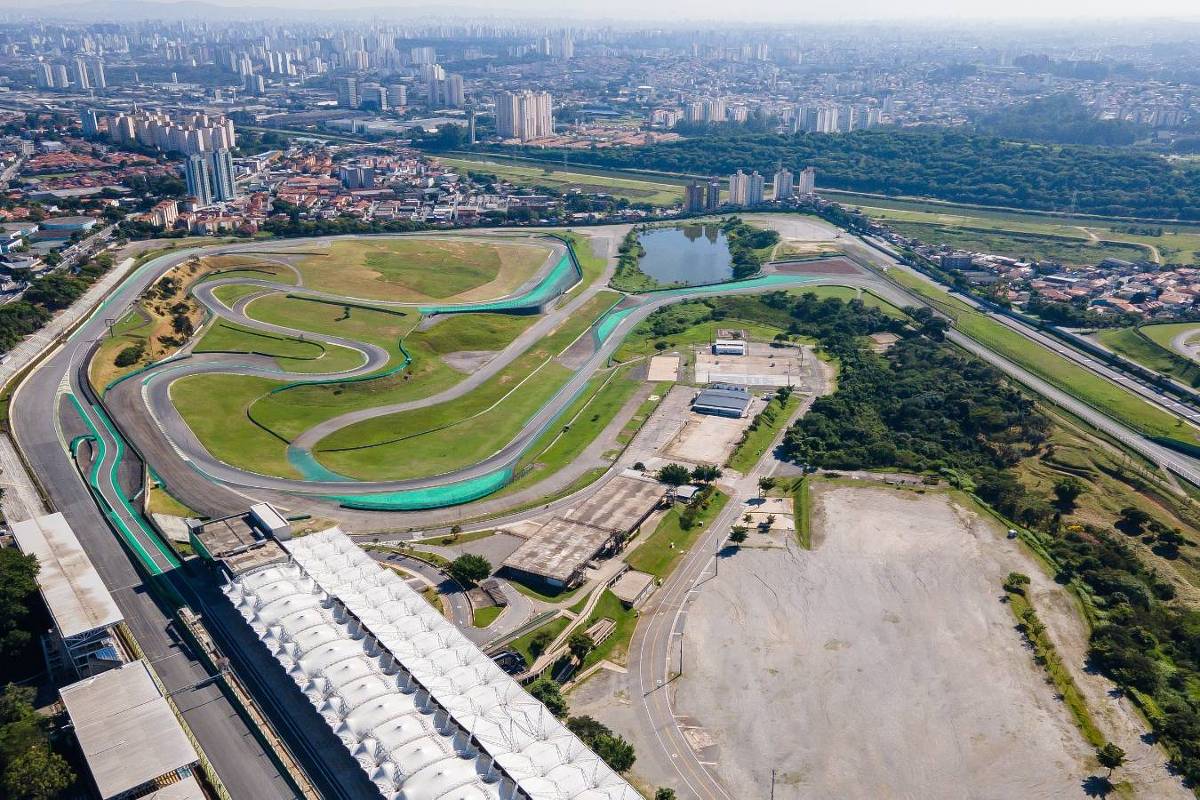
x=423, y=711
x=724, y=395
x=127, y=731
x=73, y=590
x=559, y=549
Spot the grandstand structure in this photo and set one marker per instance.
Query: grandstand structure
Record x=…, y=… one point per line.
x=425, y=713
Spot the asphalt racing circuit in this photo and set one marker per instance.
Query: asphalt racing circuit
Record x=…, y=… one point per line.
x=141, y=407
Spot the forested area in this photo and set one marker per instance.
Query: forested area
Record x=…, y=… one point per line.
x=925, y=406
x=935, y=162
x=1058, y=119
x=44, y=296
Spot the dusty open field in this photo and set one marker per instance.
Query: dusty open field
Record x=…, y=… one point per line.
x=882, y=664
x=709, y=440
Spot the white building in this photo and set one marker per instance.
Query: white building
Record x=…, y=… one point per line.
x=784, y=184
x=524, y=115
x=424, y=712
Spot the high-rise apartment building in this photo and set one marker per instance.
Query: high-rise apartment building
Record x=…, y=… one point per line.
x=807, y=181
x=61, y=81
x=195, y=174
x=43, y=75
x=712, y=194
x=524, y=115
x=347, y=92
x=454, y=95
x=374, y=97
x=754, y=189
x=739, y=188
x=693, y=198
x=82, y=81
x=99, y=80
x=90, y=122
x=784, y=184
x=221, y=172
x=422, y=55
x=397, y=95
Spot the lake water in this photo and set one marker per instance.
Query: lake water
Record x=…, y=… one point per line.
x=690, y=255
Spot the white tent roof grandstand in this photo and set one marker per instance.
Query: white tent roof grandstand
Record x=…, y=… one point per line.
x=422, y=709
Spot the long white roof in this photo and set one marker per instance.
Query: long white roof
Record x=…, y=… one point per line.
x=74, y=592
x=422, y=709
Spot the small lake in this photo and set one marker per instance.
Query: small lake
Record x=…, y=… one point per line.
x=689, y=255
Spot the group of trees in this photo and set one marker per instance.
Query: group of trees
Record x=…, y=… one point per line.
x=30, y=769
x=45, y=295
x=924, y=406
x=746, y=245
x=1058, y=119
x=937, y=162
x=613, y=748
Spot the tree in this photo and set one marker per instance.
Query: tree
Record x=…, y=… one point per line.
x=1067, y=491
x=615, y=751
x=1016, y=583
x=706, y=473
x=37, y=773
x=18, y=583
x=548, y=693
x=540, y=641
x=664, y=794
x=1110, y=757
x=765, y=484
x=580, y=644
x=738, y=534
x=469, y=569
x=674, y=475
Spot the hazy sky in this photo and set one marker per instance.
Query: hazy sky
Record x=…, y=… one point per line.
x=789, y=11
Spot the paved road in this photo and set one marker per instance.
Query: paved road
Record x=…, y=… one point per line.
x=655, y=651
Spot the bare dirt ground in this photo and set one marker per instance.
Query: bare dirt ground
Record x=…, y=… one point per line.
x=709, y=440
x=881, y=664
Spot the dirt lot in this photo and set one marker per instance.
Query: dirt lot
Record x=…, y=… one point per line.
x=707, y=439
x=882, y=664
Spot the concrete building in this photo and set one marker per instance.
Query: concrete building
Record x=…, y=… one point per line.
x=807, y=182
x=693, y=198
x=739, y=188
x=130, y=737
x=723, y=400
x=754, y=189
x=557, y=554
x=784, y=185
x=221, y=172
x=712, y=195
x=524, y=115
x=424, y=712
x=195, y=174
x=79, y=603
x=347, y=92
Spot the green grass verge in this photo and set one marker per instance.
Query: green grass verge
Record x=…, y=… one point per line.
x=521, y=643
x=591, y=265
x=1047, y=656
x=642, y=341
x=290, y=353
x=616, y=646
x=462, y=431
x=848, y=293
x=802, y=511
x=215, y=408
x=1139, y=346
x=1101, y=394
x=486, y=616
x=231, y=293
x=458, y=332
x=537, y=594
x=659, y=552
x=1077, y=249
x=762, y=432
x=160, y=501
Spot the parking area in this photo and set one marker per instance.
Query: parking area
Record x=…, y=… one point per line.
x=763, y=365
x=706, y=439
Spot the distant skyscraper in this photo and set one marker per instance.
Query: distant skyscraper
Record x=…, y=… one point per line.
x=374, y=96
x=693, y=198
x=754, y=189
x=784, y=187
x=82, y=81
x=422, y=55
x=347, y=92
x=99, y=80
x=221, y=172
x=397, y=95
x=43, y=75
x=453, y=94
x=566, y=46
x=739, y=188
x=712, y=194
x=807, y=181
x=61, y=81
x=195, y=173
x=524, y=115
x=90, y=122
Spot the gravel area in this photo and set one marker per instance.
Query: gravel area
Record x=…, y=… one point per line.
x=881, y=664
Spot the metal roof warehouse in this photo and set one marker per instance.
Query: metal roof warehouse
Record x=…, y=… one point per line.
x=723, y=400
